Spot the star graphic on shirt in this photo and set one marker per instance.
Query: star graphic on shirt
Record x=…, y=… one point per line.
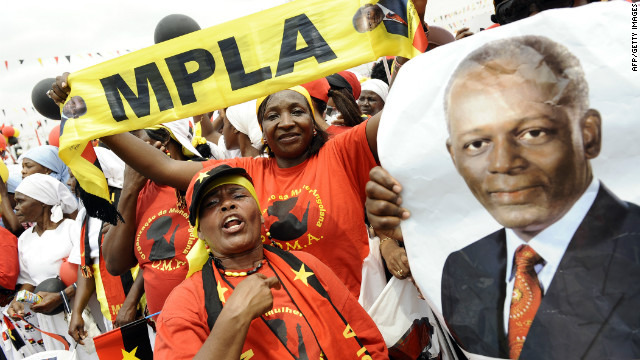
x=302, y=275
x=202, y=176
x=221, y=291
x=130, y=355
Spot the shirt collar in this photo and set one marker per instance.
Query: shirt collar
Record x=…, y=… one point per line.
x=385, y=10
x=552, y=242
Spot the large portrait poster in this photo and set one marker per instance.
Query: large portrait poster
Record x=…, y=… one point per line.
x=520, y=135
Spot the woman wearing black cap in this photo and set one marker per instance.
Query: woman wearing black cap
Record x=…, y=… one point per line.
x=255, y=299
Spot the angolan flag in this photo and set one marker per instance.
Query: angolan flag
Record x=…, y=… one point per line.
x=128, y=342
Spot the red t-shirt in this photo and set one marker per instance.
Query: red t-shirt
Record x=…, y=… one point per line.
x=182, y=326
x=318, y=206
x=334, y=130
x=9, y=266
x=162, y=242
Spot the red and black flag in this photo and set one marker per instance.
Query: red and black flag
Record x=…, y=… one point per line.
x=128, y=342
x=12, y=334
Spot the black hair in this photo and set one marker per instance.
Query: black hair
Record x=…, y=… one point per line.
x=204, y=150
x=378, y=72
x=320, y=105
x=319, y=139
x=346, y=104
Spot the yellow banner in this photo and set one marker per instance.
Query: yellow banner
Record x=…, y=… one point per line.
x=228, y=64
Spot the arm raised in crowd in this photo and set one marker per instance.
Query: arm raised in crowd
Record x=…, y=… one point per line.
x=141, y=156
x=118, y=244
x=372, y=134
x=9, y=218
x=210, y=128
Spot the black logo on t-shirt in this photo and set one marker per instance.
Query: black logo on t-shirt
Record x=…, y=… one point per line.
x=279, y=329
x=162, y=249
x=288, y=227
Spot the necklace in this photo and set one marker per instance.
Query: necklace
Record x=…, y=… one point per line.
x=283, y=341
x=242, y=273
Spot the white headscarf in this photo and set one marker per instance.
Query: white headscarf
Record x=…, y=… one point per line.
x=243, y=117
x=49, y=191
x=182, y=132
x=377, y=86
x=112, y=166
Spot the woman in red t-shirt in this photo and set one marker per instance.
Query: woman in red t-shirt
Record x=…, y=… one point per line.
x=312, y=190
x=155, y=232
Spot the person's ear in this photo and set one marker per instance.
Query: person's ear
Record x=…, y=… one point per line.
x=450, y=150
x=591, y=133
x=262, y=219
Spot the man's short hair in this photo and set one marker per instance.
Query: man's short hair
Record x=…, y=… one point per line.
x=574, y=90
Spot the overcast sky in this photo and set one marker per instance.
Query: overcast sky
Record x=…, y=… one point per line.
x=35, y=29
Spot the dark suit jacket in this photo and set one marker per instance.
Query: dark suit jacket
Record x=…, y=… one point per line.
x=400, y=8
x=591, y=308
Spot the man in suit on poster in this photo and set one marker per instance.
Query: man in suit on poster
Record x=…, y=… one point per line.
x=560, y=280
x=391, y=13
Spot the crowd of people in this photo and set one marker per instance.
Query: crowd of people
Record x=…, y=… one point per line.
x=243, y=231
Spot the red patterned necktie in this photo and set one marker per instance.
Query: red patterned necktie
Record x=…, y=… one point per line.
x=396, y=17
x=525, y=300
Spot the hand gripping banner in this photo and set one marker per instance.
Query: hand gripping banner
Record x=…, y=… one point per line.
x=225, y=65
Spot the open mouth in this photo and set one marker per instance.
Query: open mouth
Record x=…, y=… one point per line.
x=232, y=224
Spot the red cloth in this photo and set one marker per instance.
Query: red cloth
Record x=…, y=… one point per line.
x=334, y=130
x=397, y=18
x=526, y=299
x=9, y=265
x=183, y=329
x=352, y=79
x=420, y=40
x=331, y=186
x=162, y=242
x=318, y=89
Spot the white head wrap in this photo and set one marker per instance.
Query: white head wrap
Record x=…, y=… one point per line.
x=243, y=117
x=49, y=191
x=182, y=131
x=112, y=166
x=377, y=86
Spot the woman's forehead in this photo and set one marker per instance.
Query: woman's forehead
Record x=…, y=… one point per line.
x=21, y=196
x=226, y=188
x=286, y=98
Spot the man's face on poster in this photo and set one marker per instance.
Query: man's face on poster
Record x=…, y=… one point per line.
x=74, y=108
x=370, y=17
x=521, y=155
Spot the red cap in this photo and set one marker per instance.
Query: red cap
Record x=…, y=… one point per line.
x=318, y=89
x=352, y=79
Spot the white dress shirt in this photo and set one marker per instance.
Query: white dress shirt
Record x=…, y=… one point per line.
x=551, y=244
x=388, y=12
